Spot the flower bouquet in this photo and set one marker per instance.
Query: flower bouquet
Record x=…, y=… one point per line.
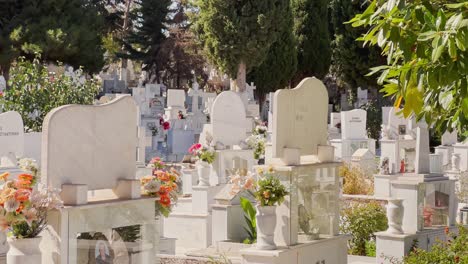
x=163, y=184
x=24, y=206
x=202, y=153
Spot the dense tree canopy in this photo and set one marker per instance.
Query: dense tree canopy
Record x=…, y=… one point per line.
x=350, y=60
x=65, y=30
x=312, y=33
x=281, y=62
x=427, y=58
x=237, y=35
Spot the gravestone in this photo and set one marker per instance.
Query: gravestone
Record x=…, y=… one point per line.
x=353, y=124
x=422, y=164
x=449, y=138
x=335, y=119
x=228, y=119
x=300, y=118
x=11, y=138
x=362, y=97
x=92, y=145
x=175, y=97
x=152, y=90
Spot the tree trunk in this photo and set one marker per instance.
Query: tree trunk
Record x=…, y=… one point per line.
x=123, y=61
x=241, y=78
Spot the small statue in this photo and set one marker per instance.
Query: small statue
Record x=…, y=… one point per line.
x=385, y=166
x=402, y=166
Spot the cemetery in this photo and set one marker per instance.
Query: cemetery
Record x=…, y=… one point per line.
x=214, y=132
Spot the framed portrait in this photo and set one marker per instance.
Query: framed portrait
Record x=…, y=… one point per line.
x=402, y=130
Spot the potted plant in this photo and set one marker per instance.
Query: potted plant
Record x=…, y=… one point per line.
x=205, y=159
x=268, y=192
x=24, y=208
x=163, y=184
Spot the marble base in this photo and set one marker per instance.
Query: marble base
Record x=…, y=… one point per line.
x=190, y=231
x=203, y=197
x=328, y=250
x=398, y=246
x=228, y=223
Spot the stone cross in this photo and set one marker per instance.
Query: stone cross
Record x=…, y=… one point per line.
x=422, y=165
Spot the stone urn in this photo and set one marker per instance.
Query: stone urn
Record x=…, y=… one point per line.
x=204, y=172
x=24, y=251
x=395, y=216
x=266, y=224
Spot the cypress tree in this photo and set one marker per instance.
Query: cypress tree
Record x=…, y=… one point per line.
x=237, y=35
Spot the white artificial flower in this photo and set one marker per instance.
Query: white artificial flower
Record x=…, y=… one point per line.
x=11, y=205
x=152, y=186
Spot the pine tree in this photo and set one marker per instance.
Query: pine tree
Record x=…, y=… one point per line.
x=312, y=32
x=65, y=30
x=237, y=35
x=144, y=41
x=281, y=62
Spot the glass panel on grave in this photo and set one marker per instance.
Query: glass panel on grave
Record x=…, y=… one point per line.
x=436, y=203
x=314, y=192
x=113, y=234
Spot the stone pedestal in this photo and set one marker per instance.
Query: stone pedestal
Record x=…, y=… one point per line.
x=228, y=223
x=203, y=197
x=462, y=150
x=189, y=179
x=325, y=250
x=446, y=152
x=382, y=186
x=397, y=246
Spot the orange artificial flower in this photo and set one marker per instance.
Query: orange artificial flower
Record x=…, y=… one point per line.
x=164, y=190
x=25, y=177
x=164, y=177
x=22, y=195
x=165, y=200
x=20, y=208
x=4, y=176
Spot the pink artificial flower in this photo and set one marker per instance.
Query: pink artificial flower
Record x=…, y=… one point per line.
x=194, y=148
x=1, y=94
x=166, y=125
x=155, y=159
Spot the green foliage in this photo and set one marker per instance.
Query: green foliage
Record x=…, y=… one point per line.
x=24, y=230
x=311, y=28
x=207, y=156
x=33, y=92
x=455, y=250
x=143, y=42
x=350, y=60
x=235, y=32
x=361, y=221
x=371, y=248
x=64, y=30
x=427, y=58
x=281, y=62
x=129, y=233
x=270, y=191
x=250, y=219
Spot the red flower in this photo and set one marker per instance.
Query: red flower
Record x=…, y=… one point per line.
x=164, y=190
x=1, y=94
x=22, y=195
x=165, y=200
x=166, y=125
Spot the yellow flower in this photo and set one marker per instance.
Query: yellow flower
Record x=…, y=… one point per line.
x=270, y=169
x=4, y=176
x=260, y=171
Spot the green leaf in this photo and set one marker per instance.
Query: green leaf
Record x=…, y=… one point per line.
x=465, y=107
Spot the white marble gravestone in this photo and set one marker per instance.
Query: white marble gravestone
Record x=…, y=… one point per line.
x=422, y=165
x=353, y=124
x=449, y=138
x=92, y=145
x=11, y=138
x=335, y=119
x=175, y=97
x=228, y=119
x=152, y=90
x=362, y=97
x=300, y=118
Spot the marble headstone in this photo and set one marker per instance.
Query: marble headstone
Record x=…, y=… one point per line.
x=11, y=137
x=353, y=124
x=300, y=118
x=92, y=145
x=175, y=97
x=2, y=83
x=335, y=119
x=228, y=119
x=422, y=164
x=152, y=90
x=449, y=139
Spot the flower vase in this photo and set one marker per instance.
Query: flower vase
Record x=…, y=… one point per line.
x=204, y=172
x=395, y=216
x=266, y=224
x=24, y=251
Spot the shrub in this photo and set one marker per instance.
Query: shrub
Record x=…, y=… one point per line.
x=33, y=91
x=454, y=250
x=355, y=181
x=361, y=221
